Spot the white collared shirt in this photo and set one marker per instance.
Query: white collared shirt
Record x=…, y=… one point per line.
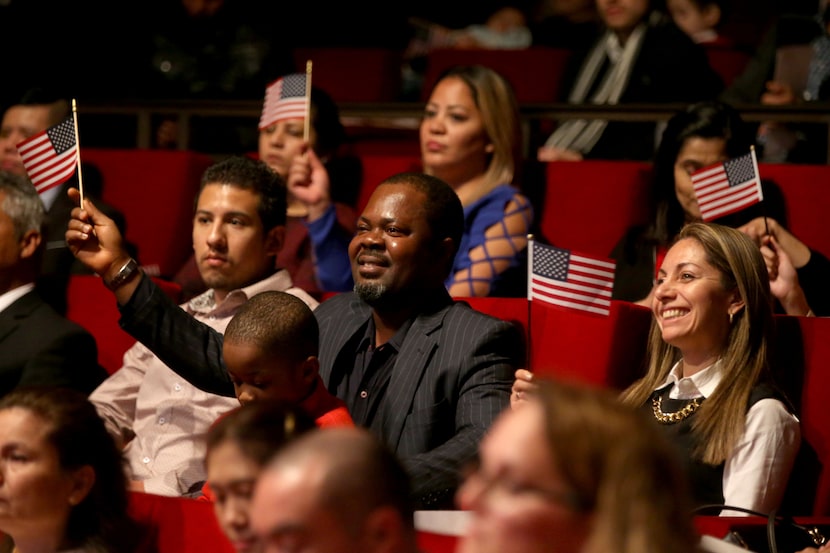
x=14, y=294
x=756, y=473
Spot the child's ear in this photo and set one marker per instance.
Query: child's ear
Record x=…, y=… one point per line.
x=309, y=369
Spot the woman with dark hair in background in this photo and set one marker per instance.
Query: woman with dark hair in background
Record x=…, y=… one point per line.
x=701, y=135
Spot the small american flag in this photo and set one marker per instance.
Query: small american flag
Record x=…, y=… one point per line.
x=50, y=156
x=727, y=187
x=570, y=280
x=284, y=99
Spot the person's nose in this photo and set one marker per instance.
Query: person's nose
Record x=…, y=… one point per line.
x=372, y=239
x=245, y=395
x=216, y=236
x=663, y=290
x=436, y=124
x=7, y=144
x=235, y=513
x=277, y=138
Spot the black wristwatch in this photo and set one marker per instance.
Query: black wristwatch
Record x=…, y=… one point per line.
x=124, y=274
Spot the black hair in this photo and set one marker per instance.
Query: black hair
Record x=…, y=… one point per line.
x=250, y=174
x=711, y=119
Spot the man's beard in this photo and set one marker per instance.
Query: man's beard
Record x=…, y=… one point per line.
x=370, y=292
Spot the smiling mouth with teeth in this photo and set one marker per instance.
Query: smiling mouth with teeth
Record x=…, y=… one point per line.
x=672, y=313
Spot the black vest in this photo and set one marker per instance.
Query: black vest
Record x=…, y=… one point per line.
x=706, y=481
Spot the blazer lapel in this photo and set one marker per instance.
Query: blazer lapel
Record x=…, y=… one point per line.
x=11, y=316
x=410, y=365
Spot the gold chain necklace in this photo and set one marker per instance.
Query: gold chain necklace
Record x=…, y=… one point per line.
x=677, y=416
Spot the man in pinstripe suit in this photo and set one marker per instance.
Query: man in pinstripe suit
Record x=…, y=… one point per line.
x=426, y=374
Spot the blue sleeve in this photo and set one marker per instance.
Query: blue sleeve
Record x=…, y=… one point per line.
x=330, y=245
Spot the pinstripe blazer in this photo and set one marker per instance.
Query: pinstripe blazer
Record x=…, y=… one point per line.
x=451, y=378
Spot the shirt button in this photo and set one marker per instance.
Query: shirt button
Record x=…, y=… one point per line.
x=364, y=394
x=177, y=387
x=162, y=420
x=145, y=460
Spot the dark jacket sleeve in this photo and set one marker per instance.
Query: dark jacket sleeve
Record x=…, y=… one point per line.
x=189, y=347
x=814, y=277
x=482, y=392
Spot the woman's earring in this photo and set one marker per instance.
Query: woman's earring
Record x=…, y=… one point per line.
x=731, y=316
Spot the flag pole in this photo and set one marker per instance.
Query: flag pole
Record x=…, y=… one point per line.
x=530, y=240
x=306, y=127
x=78, y=151
x=757, y=172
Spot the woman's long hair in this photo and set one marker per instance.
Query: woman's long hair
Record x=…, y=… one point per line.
x=720, y=421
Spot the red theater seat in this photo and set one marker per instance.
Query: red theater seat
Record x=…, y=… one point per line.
x=806, y=190
x=588, y=205
x=535, y=73
x=598, y=350
x=603, y=351
x=178, y=525
x=513, y=310
x=354, y=74
x=802, y=348
x=377, y=167
x=91, y=305
x=155, y=190
x=727, y=62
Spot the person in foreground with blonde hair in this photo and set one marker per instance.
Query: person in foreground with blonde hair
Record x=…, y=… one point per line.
x=575, y=470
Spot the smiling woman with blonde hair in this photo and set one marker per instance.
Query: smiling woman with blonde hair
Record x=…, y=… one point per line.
x=708, y=383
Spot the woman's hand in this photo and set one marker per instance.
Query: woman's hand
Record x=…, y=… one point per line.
x=308, y=181
x=783, y=280
x=550, y=153
x=523, y=385
x=760, y=227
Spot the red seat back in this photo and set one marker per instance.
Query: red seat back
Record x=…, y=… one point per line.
x=602, y=351
x=155, y=190
x=727, y=62
x=354, y=74
x=806, y=190
x=588, y=205
x=801, y=352
x=92, y=306
x=535, y=73
x=178, y=525
x=377, y=167
x=513, y=310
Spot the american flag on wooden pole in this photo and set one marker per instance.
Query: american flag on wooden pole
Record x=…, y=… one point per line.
x=727, y=187
x=50, y=156
x=568, y=279
x=285, y=98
